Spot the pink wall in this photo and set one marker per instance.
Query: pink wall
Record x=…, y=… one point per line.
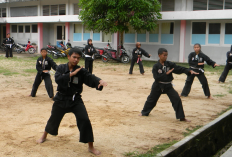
x=40, y=36
x=66, y=32
x=7, y=28
x=182, y=40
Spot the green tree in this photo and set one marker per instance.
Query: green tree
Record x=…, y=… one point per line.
x=113, y=16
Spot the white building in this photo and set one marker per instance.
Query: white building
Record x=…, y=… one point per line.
x=184, y=22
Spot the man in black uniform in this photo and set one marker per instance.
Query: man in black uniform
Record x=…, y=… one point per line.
x=70, y=79
x=162, y=73
x=136, y=57
x=8, y=42
x=227, y=67
x=196, y=62
x=43, y=66
x=89, y=52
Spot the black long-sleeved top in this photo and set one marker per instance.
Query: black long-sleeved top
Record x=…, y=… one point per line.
x=159, y=71
x=91, y=48
x=8, y=41
x=70, y=86
x=229, y=55
x=194, y=59
x=45, y=64
x=139, y=51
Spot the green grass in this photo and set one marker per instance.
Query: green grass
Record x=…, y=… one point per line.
x=219, y=95
x=7, y=72
x=189, y=131
x=152, y=152
x=30, y=70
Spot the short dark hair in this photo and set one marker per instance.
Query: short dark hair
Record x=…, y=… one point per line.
x=197, y=44
x=7, y=33
x=43, y=49
x=161, y=50
x=74, y=50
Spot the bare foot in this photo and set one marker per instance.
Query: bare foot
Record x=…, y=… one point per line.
x=142, y=73
x=210, y=97
x=219, y=82
x=94, y=151
x=185, y=120
x=130, y=74
x=140, y=114
x=29, y=95
x=41, y=140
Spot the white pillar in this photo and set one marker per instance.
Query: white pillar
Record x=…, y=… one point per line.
x=182, y=40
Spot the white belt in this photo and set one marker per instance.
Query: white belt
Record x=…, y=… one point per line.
x=88, y=56
x=198, y=69
x=9, y=45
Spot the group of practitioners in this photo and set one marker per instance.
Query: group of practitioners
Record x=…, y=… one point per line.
x=70, y=78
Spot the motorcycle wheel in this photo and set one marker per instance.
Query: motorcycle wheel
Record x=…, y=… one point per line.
x=18, y=51
x=104, y=59
x=55, y=56
x=31, y=50
x=125, y=59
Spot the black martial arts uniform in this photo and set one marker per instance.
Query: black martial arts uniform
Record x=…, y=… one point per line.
x=89, y=51
x=193, y=60
x=135, y=58
x=227, y=67
x=163, y=85
x=44, y=64
x=8, y=43
x=68, y=99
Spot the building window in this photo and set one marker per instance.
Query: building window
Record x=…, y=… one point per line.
x=77, y=36
x=154, y=35
x=215, y=5
x=14, y=28
x=228, y=33
x=228, y=4
x=130, y=35
x=199, y=4
x=27, y=29
x=3, y=12
x=214, y=33
x=198, y=32
x=50, y=10
x=167, y=30
x=23, y=11
x=20, y=27
x=34, y=28
x=46, y=11
x=141, y=36
x=167, y=5
x=96, y=36
x=86, y=33
x=76, y=8
x=62, y=9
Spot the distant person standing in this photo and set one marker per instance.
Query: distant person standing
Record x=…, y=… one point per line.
x=228, y=66
x=8, y=42
x=136, y=57
x=89, y=52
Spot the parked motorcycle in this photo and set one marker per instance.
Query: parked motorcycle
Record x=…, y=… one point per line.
x=24, y=47
x=111, y=54
x=60, y=52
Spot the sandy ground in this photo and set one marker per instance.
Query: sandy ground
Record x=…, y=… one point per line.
x=113, y=113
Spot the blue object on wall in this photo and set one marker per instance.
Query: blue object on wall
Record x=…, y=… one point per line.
x=96, y=36
x=214, y=39
x=153, y=37
x=166, y=38
x=141, y=37
x=86, y=36
x=228, y=39
x=198, y=38
x=129, y=38
x=77, y=36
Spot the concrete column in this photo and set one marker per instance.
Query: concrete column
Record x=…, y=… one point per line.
x=182, y=40
x=7, y=28
x=40, y=36
x=67, y=31
x=116, y=40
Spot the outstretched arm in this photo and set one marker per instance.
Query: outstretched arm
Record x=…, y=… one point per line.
x=145, y=53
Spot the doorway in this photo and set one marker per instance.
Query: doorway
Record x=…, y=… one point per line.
x=60, y=34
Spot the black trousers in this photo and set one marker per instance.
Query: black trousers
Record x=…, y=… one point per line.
x=89, y=64
x=225, y=72
x=154, y=97
x=133, y=61
x=8, y=49
x=48, y=84
x=82, y=119
x=189, y=81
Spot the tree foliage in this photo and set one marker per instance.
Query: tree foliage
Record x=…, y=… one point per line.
x=116, y=15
